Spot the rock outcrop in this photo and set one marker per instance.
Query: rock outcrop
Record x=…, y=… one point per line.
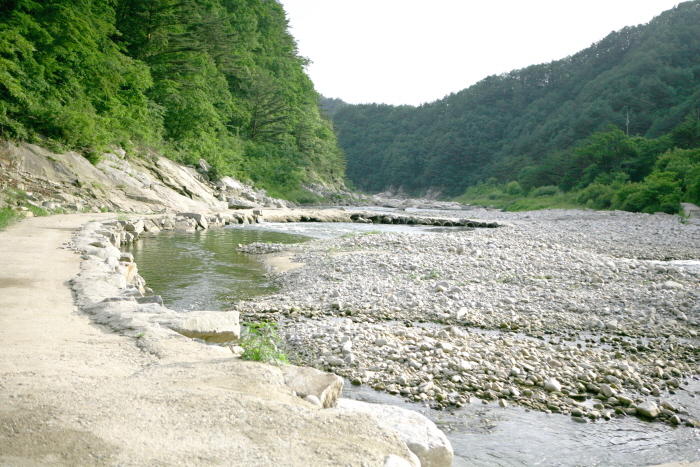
x=119, y=182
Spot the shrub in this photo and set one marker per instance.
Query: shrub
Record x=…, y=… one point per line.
x=7, y=217
x=513, y=188
x=550, y=190
x=260, y=343
x=659, y=192
x=597, y=196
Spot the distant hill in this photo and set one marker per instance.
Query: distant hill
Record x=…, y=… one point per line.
x=526, y=125
x=331, y=105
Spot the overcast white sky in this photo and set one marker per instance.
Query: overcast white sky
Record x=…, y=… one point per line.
x=415, y=51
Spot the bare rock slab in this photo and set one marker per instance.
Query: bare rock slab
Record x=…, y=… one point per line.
x=422, y=437
x=307, y=381
x=215, y=327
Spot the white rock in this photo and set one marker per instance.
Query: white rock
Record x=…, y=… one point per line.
x=552, y=385
x=305, y=381
x=335, y=361
x=421, y=435
x=607, y=390
x=648, y=409
x=670, y=285
x=313, y=400
x=210, y=326
x=392, y=460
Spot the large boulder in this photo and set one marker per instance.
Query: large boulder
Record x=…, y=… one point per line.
x=239, y=203
x=136, y=226
x=200, y=219
x=210, y=326
x=250, y=196
x=393, y=203
x=184, y=224
x=230, y=184
x=421, y=435
x=306, y=381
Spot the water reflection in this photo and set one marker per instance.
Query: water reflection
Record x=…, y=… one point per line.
x=202, y=270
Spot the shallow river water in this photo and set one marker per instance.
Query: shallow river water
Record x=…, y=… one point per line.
x=202, y=270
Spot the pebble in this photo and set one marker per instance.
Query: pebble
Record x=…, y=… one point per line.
x=648, y=409
x=554, y=308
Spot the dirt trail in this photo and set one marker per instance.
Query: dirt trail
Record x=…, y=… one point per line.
x=73, y=394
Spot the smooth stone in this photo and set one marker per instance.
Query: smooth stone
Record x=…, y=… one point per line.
x=335, y=361
x=210, y=326
x=422, y=436
x=552, y=385
x=306, y=381
x=313, y=400
x=392, y=460
x=648, y=409
x=607, y=390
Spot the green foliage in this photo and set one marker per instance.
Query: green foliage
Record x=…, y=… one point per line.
x=37, y=211
x=261, y=343
x=513, y=188
x=501, y=196
x=685, y=165
x=545, y=191
x=560, y=201
x=8, y=216
x=330, y=105
x=660, y=192
x=218, y=80
x=16, y=199
x=597, y=196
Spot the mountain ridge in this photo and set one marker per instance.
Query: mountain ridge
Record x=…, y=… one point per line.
x=513, y=121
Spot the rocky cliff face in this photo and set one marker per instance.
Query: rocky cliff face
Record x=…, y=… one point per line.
x=119, y=183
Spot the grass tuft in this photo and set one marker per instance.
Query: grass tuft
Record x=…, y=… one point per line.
x=261, y=343
x=8, y=216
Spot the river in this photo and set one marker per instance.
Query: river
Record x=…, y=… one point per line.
x=202, y=270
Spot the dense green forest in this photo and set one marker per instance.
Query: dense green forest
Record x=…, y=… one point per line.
x=214, y=79
x=617, y=120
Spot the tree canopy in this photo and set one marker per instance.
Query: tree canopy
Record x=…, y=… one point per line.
x=220, y=80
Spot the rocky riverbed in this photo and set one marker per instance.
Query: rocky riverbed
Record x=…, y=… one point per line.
x=573, y=312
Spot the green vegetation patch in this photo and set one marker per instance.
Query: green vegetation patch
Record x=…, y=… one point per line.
x=8, y=216
x=219, y=80
x=261, y=343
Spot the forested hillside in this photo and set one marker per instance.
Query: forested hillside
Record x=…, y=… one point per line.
x=562, y=124
x=213, y=79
